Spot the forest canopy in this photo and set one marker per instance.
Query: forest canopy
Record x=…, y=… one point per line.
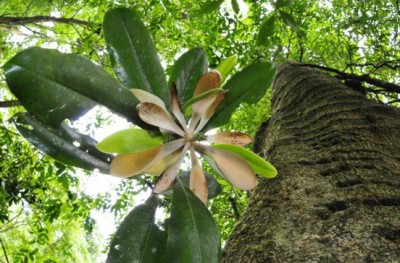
x=46, y=215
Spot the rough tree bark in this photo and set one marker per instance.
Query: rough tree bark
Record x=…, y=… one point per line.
x=337, y=195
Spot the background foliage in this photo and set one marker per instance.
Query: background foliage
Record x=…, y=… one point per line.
x=46, y=215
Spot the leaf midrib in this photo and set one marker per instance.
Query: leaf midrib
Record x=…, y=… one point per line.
x=193, y=220
x=39, y=75
x=134, y=53
x=148, y=232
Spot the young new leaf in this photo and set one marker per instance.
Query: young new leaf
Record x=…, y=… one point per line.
x=130, y=141
x=260, y=166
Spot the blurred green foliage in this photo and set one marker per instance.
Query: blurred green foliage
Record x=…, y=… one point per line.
x=44, y=214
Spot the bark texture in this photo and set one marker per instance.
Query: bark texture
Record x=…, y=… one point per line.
x=337, y=195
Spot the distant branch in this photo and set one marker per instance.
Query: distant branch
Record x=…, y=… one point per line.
x=3, y=127
x=234, y=207
x=148, y=183
x=8, y=20
x=4, y=250
x=36, y=32
x=16, y=225
x=10, y=103
x=387, y=86
x=376, y=82
x=392, y=64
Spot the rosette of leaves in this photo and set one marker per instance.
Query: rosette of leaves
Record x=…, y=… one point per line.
x=53, y=87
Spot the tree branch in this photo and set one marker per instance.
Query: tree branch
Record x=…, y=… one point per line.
x=8, y=20
x=392, y=64
x=234, y=207
x=4, y=250
x=387, y=86
x=10, y=103
x=376, y=82
x=16, y=225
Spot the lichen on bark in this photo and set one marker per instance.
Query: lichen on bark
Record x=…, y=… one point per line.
x=337, y=195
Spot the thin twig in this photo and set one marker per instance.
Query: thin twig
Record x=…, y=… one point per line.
x=8, y=20
x=10, y=103
x=392, y=64
x=387, y=86
x=16, y=225
x=12, y=219
x=234, y=207
x=4, y=250
x=36, y=32
x=3, y=127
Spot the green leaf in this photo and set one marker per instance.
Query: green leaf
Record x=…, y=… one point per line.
x=235, y=6
x=187, y=71
x=130, y=141
x=133, y=54
x=282, y=3
x=55, y=86
x=266, y=31
x=200, y=97
x=138, y=239
x=59, y=144
x=192, y=233
x=248, y=85
x=259, y=165
x=288, y=19
x=226, y=67
x=210, y=6
x=83, y=142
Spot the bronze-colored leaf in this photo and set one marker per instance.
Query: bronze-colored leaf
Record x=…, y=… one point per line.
x=235, y=138
x=176, y=107
x=169, y=175
x=234, y=167
x=144, y=96
x=155, y=115
x=210, y=80
x=126, y=165
x=198, y=183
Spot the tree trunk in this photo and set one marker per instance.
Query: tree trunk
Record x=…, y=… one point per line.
x=337, y=194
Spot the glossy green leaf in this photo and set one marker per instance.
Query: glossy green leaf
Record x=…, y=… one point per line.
x=64, y=145
x=55, y=86
x=83, y=142
x=133, y=53
x=192, y=233
x=130, y=141
x=282, y=3
x=226, y=67
x=187, y=71
x=210, y=6
x=266, y=32
x=248, y=85
x=235, y=6
x=259, y=165
x=288, y=19
x=138, y=239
